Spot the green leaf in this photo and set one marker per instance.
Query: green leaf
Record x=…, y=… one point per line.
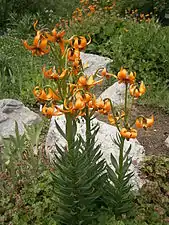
x=60, y=130
x=114, y=161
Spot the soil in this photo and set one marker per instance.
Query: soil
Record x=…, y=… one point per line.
x=153, y=139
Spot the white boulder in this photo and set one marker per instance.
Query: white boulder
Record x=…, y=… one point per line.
x=104, y=136
x=115, y=92
x=93, y=62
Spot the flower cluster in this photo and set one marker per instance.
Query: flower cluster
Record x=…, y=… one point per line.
x=88, y=9
x=138, y=17
x=121, y=119
x=71, y=93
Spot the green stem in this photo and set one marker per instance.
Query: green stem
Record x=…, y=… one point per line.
x=121, y=158
x=123, y=139
x=114, y=114
x=125, y=106
x=88, y=128
x=54, y=54
x=69, y=130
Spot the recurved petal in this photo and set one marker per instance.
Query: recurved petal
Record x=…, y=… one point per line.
x=150, y=121
x=139, y=123
x=36, y=39
x=122, y=74
x=142, y=88
x=111, y=119
x=43, y=43
x=29, y=47
x=63, y=74
x=45, y=51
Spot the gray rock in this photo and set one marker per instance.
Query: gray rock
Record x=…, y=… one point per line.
x=8, y=105
x=94, y=62
x=115, y=92
x=105, y=135
x=3, y=117
x=167, y=142
x=13, y=110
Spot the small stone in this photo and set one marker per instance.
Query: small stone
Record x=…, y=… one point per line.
x=167, y=142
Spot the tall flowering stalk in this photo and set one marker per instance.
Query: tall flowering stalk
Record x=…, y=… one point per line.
x=119, y=189
x=80, y=169
x=71, y=93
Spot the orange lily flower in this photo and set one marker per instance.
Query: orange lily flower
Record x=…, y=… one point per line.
x=128, y=133
x=143, y=122
x=124, y=77
x=79, y=42
x=74, y=108
x=73, y=54
x=79, y=104
x=113, y=119
x=99, y=103
x=88, y=83
x=107, y=107
x=92, y=8
x=50, y=111
x=40, y=94
x=40, y=45
x=51, y=73
x=104, y=73
x=88, y=97
x=137, y=92
x=57, y=37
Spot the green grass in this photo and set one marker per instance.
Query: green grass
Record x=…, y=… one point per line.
x=19, y=71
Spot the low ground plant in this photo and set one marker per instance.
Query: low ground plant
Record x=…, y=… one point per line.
x=26, y=188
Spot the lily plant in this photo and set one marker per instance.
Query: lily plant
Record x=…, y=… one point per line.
x=71, y=94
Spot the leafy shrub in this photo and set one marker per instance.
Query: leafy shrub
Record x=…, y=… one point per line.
x=141, y=47
x=22, y=9
x=144, y=6
x=123, y=41
x=79, y=180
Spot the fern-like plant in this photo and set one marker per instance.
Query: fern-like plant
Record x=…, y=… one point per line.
x=118, y=188
x=76, y=177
